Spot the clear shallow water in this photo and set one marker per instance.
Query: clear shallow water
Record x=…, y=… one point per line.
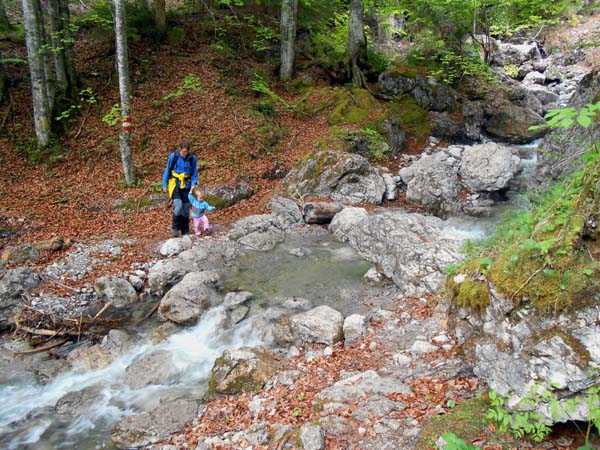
x=328, y=273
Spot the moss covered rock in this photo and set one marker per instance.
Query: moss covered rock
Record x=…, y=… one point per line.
x=242, y=370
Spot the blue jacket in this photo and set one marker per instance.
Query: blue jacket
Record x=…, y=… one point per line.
x=199, y=207
x=189, y=166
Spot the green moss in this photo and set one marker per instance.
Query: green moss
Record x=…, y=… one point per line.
x=412, y=118
x=135, y=204
x=470, y=292
x=399, y=70
x=217, y=202
x=465, y=420
x=351, y=106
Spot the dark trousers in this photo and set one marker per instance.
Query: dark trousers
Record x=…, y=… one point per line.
x=181, y=210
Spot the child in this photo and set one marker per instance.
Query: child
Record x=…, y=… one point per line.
x=199, y=207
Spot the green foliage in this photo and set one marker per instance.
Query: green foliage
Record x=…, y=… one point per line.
x=265, y=38
x=453, y=442
x=85, y=96
x=112, y=117
x=520, y=422
x=190, y=82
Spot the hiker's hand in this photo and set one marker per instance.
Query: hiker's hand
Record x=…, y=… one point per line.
x=164, y=190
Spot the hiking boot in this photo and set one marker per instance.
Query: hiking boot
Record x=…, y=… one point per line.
x=175, y=233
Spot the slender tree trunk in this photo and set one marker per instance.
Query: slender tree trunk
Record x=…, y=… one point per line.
x=289, y=12
x=34, y=38
x=69, y=54
x=357, y=40
x=56, y=39
x=160, y=15
x=123, y=69
x=4, y=22
x=4, y=81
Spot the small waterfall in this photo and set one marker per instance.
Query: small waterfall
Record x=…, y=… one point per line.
x=26, y=417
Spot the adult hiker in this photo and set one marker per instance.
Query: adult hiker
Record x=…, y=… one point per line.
x=181, y=174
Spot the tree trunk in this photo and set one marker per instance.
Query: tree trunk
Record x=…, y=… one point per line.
x=69, y=54
x=357, y=40
x=34, y=38
x=123, y=69
x=58, y=54
x=289, y=12
x=160, y=16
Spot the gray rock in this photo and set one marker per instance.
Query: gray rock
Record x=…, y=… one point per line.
x=191, y=297
x=234, y=299
x=20, y=254
x=75, y=404
x=446, y=126
x=175, y=246
x=117, y=291
x=488, y=167
x=344, y=177
x=363, y=384
x=155, y=368
x=286, y=213
x=322, y=324
x=432, y=182
x=312, y=437
x=222, y=196
x=394, y=241
x=144, y=429
x=511, y=123
x=242, y=370
x=13, y=285
x=345, y=220
x=238, y=314
x=505, y=53
x=262, y=241
x=390, y=187
x=320, y=212
x=354, y=327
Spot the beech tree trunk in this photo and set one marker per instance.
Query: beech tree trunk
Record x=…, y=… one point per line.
x=160, y=16
x=123, y=69
x=68, y=53
x=289, y=12
x=34, y=38
x=56, y=40
x=357, y=40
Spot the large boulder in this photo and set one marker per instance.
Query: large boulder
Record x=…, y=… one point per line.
x=488, y=167
x=344, y=177
x=410, y=249
x=140, y=430
x=322, y=324
x=242, y=370
x=286, y=213
x=222, y=196
x=511, y=123
x=20, y=254
x=191, y=297
x=13, y=285
x=257, y=232
x=432, y=182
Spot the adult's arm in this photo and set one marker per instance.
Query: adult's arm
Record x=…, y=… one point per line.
x=166, y=174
